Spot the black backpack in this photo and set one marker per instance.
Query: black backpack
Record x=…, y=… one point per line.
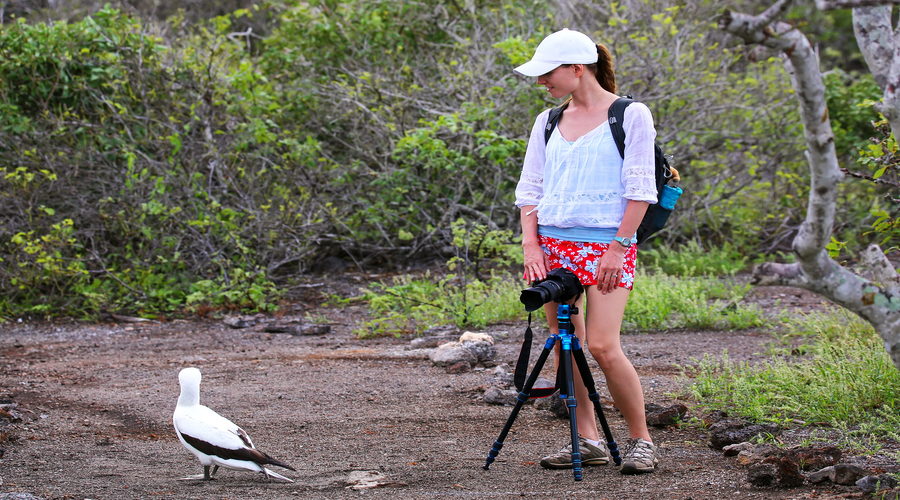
x=656, y=215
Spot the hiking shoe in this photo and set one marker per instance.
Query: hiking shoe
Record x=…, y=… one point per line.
x=590, y=455
x=640, y=456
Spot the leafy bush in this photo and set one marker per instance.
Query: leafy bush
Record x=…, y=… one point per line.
x=198, y=152
x=146, y=159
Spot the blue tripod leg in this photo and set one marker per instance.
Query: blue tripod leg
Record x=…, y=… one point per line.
x=520, y=400
x=581, y=363
x=571, y=403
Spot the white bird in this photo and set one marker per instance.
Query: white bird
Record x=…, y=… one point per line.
x=212, y=438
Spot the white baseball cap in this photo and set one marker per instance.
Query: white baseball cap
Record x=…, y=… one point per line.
x=563, y=47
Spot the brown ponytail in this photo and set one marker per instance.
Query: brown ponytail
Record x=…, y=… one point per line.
x=603, y=69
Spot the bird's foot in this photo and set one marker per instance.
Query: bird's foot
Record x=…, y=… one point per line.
x=196, y=477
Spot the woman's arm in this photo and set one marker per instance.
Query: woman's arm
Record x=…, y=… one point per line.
x=528, y=194
x=537, y=264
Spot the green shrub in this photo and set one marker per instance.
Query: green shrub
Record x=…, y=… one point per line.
x=152, y=162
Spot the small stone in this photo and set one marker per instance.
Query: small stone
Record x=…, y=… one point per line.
x=815, y=458
x=747, y=457
x=452, y=353
x=731, y=431
x=874, y=484
x=360, y=480
x=460, y=367
x=429, y=342
x=847, y=474
x=18, y=496
x=497, y=396
x=762, y=474
x=821, y=475
x=446, y=331
x=732, y=450
x=787, y=471
x=664, y=417
x=481, y=345
x=240, y=321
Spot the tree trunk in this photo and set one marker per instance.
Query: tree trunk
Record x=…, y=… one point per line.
x=815, y=270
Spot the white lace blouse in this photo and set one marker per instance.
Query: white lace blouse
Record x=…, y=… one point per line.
x=586, y=183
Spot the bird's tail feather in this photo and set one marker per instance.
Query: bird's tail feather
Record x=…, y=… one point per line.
x=279, y=463
x=276, y=475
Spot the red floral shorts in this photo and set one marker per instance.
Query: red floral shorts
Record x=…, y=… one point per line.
x=582, y=258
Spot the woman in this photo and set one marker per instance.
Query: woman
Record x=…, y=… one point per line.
x=581, y=206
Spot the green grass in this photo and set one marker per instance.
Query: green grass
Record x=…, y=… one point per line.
x=845, y=381
x=660, y=301
x=412, y=305
x=692, y=260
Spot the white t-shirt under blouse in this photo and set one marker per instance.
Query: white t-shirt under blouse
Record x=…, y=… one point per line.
x=587, y=183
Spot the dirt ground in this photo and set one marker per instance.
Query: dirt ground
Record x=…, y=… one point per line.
x=97, y=401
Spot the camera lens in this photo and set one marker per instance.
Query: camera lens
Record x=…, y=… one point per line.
x=535, y=297
x=554, y=290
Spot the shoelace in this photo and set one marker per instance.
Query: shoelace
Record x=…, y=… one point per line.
x=641, y=450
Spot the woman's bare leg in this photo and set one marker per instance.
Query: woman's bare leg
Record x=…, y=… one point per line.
x=604, y=321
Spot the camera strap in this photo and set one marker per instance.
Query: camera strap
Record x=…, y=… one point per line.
x=522, y=367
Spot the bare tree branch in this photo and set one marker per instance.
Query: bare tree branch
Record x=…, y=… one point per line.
x=879, y=45
x=873, y=258
x=877, y=303
x=852, y=4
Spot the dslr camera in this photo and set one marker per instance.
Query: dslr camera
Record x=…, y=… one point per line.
x=560, y=286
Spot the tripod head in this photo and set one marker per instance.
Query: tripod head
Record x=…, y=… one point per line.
x=564, y=313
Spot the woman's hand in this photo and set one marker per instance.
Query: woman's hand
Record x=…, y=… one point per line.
x=609, y=272
x=537, y=264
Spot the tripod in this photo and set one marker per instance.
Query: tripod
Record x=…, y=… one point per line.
x=570, y=348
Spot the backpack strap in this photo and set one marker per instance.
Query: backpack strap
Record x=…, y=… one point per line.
x=553, y=119
x=616, y=121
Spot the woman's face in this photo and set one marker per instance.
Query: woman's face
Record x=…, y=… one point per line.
x=561, y=81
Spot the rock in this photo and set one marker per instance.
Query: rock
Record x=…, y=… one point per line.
x=821, y=475
x=471, y=347
x=815, y=458
x=762, y=474
x=503, y=368
x=461, y=367
x=481, y=344
x=452, y=353
x=787, y=471
x=9, y=413
x=429, y=342
x=732, y=450
x=18, y=496
x=747, y=457
x=497, y=396
x=731, y=431
x=504, y=380
x=658, y=416
x=847, y=474
x=552, y=403
x=242, y=321
x=876, y=483
x=360, y=480
x=299, y=329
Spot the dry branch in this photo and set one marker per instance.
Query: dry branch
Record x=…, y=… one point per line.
x=877, y=303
